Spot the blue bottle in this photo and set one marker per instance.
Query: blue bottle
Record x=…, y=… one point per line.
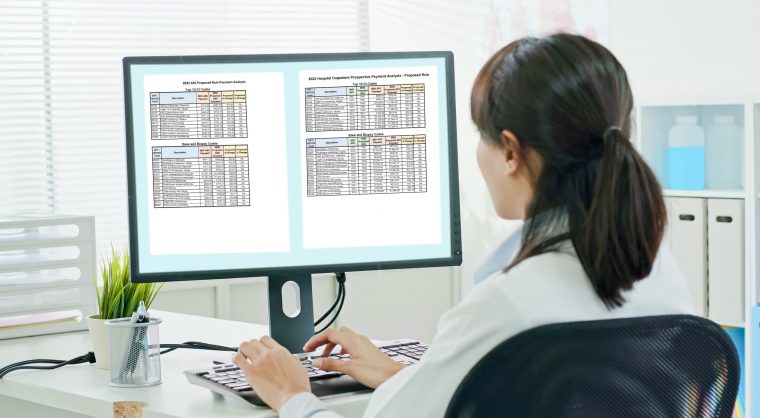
x=686, y=155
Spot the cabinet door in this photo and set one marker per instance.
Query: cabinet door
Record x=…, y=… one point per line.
x=688, y=235
x=725, y=243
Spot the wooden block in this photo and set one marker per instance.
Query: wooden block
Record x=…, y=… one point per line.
x=128, y=409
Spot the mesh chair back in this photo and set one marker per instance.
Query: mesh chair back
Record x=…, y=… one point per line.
x=648, y=367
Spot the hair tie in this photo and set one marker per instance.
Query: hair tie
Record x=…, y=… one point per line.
x=610, y=130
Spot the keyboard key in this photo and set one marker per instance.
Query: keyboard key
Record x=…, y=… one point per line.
x=319, y=373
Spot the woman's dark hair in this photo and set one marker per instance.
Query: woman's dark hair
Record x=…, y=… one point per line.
x=567, y=99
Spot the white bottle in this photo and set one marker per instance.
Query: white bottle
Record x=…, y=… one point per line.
x=686, y=155
x=725, y=159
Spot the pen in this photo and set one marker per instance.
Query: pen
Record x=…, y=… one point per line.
x=143, y=317
x=136, y=343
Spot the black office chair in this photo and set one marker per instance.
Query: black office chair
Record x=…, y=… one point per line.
x=649, y=367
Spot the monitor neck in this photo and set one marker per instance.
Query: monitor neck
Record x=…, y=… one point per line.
x=291, y=329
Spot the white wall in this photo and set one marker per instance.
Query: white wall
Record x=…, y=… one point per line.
x=688, y=50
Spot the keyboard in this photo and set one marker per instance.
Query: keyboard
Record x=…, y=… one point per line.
x=227, y=379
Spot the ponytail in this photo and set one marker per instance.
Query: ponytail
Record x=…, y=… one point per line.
x=619, y=239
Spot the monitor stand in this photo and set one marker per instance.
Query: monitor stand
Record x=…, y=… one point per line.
x=294, y=331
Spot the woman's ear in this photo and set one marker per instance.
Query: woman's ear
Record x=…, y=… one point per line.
x=511, y=151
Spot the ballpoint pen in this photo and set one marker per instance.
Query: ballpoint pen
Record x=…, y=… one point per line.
x=143, y=317
x=136, y=343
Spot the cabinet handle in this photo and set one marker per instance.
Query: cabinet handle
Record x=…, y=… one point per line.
x=725, y=219
x=686, y=217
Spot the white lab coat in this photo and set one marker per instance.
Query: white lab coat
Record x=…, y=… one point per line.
x=541, y=290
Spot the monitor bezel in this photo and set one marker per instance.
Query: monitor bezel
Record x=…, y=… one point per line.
x=455, y=257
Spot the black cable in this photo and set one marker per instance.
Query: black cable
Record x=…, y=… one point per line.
x=22, y=365
x=341, y=279
x=195, y=345
x=337, y=312
x=332, y=308
x=90, y=357
x=342, y=298
x=13, y=366
x=42, y=360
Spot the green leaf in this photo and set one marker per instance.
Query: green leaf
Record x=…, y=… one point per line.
x=119, y=296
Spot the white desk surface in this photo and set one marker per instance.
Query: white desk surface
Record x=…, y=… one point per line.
x=85, y=390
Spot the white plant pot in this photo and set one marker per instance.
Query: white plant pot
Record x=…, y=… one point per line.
x=99, y=337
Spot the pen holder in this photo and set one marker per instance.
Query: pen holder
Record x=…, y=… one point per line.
x=135, y=352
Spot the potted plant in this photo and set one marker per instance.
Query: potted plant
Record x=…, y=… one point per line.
x=119, y=298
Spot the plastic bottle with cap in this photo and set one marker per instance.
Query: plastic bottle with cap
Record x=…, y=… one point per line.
x=686, y=154
x=725, y=165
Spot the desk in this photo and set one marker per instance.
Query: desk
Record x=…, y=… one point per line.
x=83, y=390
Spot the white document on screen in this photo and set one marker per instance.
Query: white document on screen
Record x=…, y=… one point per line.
x=371, y=157
x=217, y=157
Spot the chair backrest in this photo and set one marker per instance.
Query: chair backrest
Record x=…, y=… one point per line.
x=656, y=366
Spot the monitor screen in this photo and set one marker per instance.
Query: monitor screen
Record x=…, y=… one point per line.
x=264, y=164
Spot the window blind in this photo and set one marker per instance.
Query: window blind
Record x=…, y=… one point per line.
x=61, y=106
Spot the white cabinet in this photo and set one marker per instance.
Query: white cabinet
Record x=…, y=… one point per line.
x=707, y=239
x=725, y=238
x=688, y=235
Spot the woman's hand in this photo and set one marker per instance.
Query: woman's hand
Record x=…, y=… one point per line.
x=272, y=371
x=368, y=364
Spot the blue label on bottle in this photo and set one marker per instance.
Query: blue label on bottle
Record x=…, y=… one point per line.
x=686, y=168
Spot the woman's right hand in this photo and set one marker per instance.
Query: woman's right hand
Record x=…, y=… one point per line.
x=368, y=365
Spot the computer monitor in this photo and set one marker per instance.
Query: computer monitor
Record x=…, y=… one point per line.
x=288, y=165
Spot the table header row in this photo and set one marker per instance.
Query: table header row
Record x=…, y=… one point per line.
x=362, y=90
x=208, y=151
x=192, y=97
x=365, y=141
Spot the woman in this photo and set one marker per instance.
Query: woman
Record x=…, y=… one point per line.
x=555, y=149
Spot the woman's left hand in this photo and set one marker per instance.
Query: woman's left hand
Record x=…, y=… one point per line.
x=274, y=373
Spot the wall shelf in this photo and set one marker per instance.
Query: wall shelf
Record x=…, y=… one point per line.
x=714, y=194
x=655, y=123
x=732, y=324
